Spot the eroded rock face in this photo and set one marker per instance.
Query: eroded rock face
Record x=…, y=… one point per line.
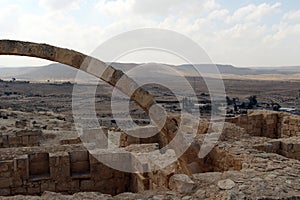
x=181, y=183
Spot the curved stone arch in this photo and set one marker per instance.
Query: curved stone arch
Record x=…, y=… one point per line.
x=82, y=62
x=99, y=69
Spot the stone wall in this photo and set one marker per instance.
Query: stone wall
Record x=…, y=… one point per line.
x=151, y=158
x=25, y=138
x=141, y=135
x=260, y=123
x=291, y=125
x=65, y=172
x=221, y=160
x=288, y=147
x=268, y=124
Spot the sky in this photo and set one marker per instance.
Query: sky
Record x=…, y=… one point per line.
x=242, y=33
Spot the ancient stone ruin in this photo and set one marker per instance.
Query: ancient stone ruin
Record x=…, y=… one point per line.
x=42, y=157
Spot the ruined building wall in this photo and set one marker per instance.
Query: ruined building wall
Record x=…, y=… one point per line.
x=25, y=138
x=268, y=124
x=260, y=123
x=65, y=172
x=291, y=125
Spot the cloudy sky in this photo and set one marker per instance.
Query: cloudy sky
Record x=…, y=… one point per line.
x=243, y=33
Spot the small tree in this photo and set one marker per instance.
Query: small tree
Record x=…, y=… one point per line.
x=253, y=100
x=229, y=101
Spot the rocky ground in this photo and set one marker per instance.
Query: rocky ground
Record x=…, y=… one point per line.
x=256, y=157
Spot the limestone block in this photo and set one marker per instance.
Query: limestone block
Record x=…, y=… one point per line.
x=200, y=194
x=6, y=166
x=296, y=147
x=33, y=140
x=63, y=55
x=101, y=172
x=108, y=73
x=226, y=184
x=143, y=98
x=286, y=146
x=86, y=185
x=76, y=156
x=34, y=190
x=115, y=78
x=93, y=66
x=80, y=167
x=4, y=192
x=75, y=185
x=132, y=140
x=5, y=182
x=21, y=165
x=14, y=141
x=48, y=186
x=59, y=165
x=25, y=140
x=181, y=183
x=39, y=164
x=286, y=154
x=19, y=190
x=29, y=133
x=109, y=186
x=96, y=136
x=63, y=186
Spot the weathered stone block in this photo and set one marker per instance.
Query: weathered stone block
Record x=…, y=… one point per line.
x=286, y=146
x=48, y=186
x=75, y=185
x=96, y=136
x=86, y=185
x=34, y=190
x=181, y=183
x=77, y=156
x=39, y=164
x=6, y=166
x=126, y=84
x=4, y=192
x=25, y=140
x=6, y=182
x=143, y=98
x=14, y=141
x=296, y=147
x=62, y=186
x=80, y=167
x=19, y=190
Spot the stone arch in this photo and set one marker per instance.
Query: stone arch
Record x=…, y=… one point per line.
x=99, y=69
x=82, y=62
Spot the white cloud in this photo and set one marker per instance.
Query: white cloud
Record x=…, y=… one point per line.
x=218, y=14
x=285, y=31
x=253, y=13
x=244, y=36
x=9, y=18
x=128, y=8
x=56, y=5
x=292, y=15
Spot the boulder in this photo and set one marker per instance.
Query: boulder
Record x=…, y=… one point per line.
x=226, y=184
x=181, y=183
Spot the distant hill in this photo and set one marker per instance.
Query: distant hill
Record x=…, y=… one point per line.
x=229, y=69
x=224, y=69
x=60, y=72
